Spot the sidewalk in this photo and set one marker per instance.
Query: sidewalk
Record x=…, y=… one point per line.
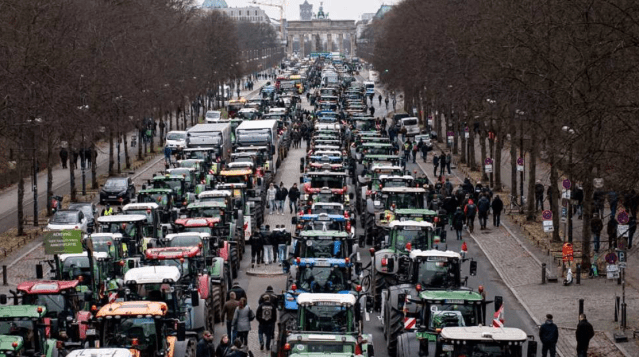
x=519, y=265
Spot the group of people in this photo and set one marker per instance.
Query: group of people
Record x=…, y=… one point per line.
x=276, y=197
x=238, y=316
x=86, y=156
x=549, y=335
x=269, y=246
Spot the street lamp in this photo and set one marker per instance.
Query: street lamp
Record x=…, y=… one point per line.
x=521, y=113
x=570, y=131
x=83, y=108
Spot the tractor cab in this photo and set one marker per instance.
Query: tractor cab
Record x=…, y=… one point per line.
x=153, y=226
x=220, y=196
x=327, y=313
x=323, y=222
x=176, y=183
x=132, y=229
x=26, y=328
x=328, y=208
x=237, y=176
x=323, y=244
x=163, y=197
x=191, y=176
x=319, y=344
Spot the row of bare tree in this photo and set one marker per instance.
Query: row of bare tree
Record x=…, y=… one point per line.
x=556, y=79
x=79, y=71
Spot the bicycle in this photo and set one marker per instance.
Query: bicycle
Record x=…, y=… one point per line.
x=515, y=204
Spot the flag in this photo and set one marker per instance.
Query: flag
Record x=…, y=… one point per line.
x=498, y=317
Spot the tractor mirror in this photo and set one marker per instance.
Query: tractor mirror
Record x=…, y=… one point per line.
x=499, y=300
x=131, y=264
x=195, y=298
x=3, y=299
x=181, y=331
x=390, y=264
x=532, y=349
x=473, y=268
x=370, y=351
x=39, y=271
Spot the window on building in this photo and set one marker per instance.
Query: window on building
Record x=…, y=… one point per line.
x=240, y=12
x=255, y=12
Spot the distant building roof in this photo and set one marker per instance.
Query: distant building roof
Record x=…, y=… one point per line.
x=214, y=4
x=368, y=16
x=382, y=11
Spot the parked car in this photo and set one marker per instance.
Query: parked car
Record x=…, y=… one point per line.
x=68, y=219
x=213, y=116
x=176, y=139
x=89, y=210
x=117, y=189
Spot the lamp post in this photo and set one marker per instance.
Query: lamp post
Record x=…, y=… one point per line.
x=35, y=123
x=491, y=102
x=571, y=132
x=521, y=154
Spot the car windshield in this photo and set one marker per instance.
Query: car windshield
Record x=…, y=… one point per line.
x=175, y=136
x=417, y=237
x=86, y=209
x=322, y=279
x=327, y=181
x=327, y=347
x=123, y=331
x=157, y=197
x=185, y=241
x=65, y=217
x=446, y=314
x=209, y=212
x=213, y=115
x=115, y=183
x=410, y=122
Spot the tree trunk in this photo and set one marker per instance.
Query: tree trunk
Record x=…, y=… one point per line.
x=587, y=217
x=49, y=174
x=440, y=127
x=152, y=136
x=72, y=188
x=513, y=157
x=482, y=148
x=127, y=159
x=94, y=167
x=554, y=178
x=532, y=172
x=140, y=144
x=168, y=119
x=472, y=161
x=457, y=132
x=497, y=168
x=110, y=152
x=20, y=195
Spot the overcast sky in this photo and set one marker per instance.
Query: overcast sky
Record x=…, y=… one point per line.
x=337, y=9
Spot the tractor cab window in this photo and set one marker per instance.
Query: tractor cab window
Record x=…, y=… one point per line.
x=185, y=241
x=202, y=229
x=147, y=213
x=416, y=237
x=138, y=333
x=159, y=198
x=322, y=279
x=327, y=318
x=310, y=347
x=322, y=248
x=405, y=200
x=451, y=314
x=55, y=303
x=73, y=267
x=327, y=181
x=208, y=212
x=22, y=327
x=437, y=274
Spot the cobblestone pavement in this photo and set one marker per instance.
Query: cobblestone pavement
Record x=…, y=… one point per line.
x=519, y=265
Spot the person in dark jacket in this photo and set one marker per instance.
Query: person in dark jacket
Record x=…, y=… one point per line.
x=578, y=195
x=257, y=247
x=632, y=228
x=293, y=196
x=548, y=335
x=470, y=210
x=266, y=316
x=223, y=347
x=497, y=207
x=76, y=155
x=237, y=289
x=64, y=155
x=483, y=206
x=596, y=226
x=281, y=198
x=468, y=187
x=267, y=238
x=539, y=195
x=442, y=163
x=435, y=164
x=458, y=222
x=205, y=347
x=238, y=349
x=584, y=333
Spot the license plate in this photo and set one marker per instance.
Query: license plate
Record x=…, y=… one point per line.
x=113, y=196
x=448, y=348
x=322, y=263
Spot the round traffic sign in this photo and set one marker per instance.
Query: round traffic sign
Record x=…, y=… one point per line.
x=450, y=133
x=488, y=161
x=622, y=217
x=466, y=129
x=546, y=215
x=566, y=184
x=520, y=161
x=611, y=258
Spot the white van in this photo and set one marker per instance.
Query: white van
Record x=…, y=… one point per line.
x=213, y=116
x=411, y=124
x=176, y=139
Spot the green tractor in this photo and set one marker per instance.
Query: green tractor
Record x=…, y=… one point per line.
x=163, y=197
x=154, y=226
x=473, y=341
x=27, y=330
x=317, y=344
x=177, y=184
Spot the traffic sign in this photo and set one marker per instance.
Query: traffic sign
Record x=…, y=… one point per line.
x=622, y=256
x=564, y=214
x=520, y=161
x=622, y=217
x=546, y=215
x=488, y=161
x=566, y=183
x=611, y=258
x=488, y=168
x=548, y=226
x=622, y=230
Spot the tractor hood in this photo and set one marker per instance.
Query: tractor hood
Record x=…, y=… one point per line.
x=101, y=352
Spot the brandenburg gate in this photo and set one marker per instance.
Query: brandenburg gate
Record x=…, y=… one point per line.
x=315, y=29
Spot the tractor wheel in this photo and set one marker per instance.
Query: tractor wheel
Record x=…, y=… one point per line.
x=209, y=315
x=235, y=262
x=379, y=284
x=190, y=350
x=394, y=326
x=216, y=305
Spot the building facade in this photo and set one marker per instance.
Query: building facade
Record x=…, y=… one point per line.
x=249, y=13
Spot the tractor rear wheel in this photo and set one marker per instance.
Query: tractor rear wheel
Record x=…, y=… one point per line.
x=216, y=298
x=394, y=326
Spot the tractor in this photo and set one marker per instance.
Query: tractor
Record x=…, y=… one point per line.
x=163, y=197
x=28, y=330
x=132, y=229
x=315, y=344
x=143, y=328
x=154, y=226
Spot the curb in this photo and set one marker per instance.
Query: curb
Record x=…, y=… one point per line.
x=263, y=273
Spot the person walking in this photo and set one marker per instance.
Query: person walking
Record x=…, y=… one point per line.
x=293, y=196
x=435, y=164
x=266, y=317
x=64, y=156
x=470, y=210
x=611, y=229
x=548, y=335
x=107, y=210
x=228, y=311
x=386, y=101
x=283, y=241
x=579, y=197
x=205, y=346
x=458, y=222
x=224, y=347
x=596, y=226
x=167, y=156
x=380, y=100
x=407, y=148
x=613, y=199
x=497, y=205
x=584, y=334
x=237, y=289
x=239, y=349
x=257, y=247
x=449, y=159
x=281, y=198
x=483, y=206
x=242, y=320
x=76, y=155
x=271, y=195
x=632, y=228
x=415, y=151
x=539, y=195
x=268, y=245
